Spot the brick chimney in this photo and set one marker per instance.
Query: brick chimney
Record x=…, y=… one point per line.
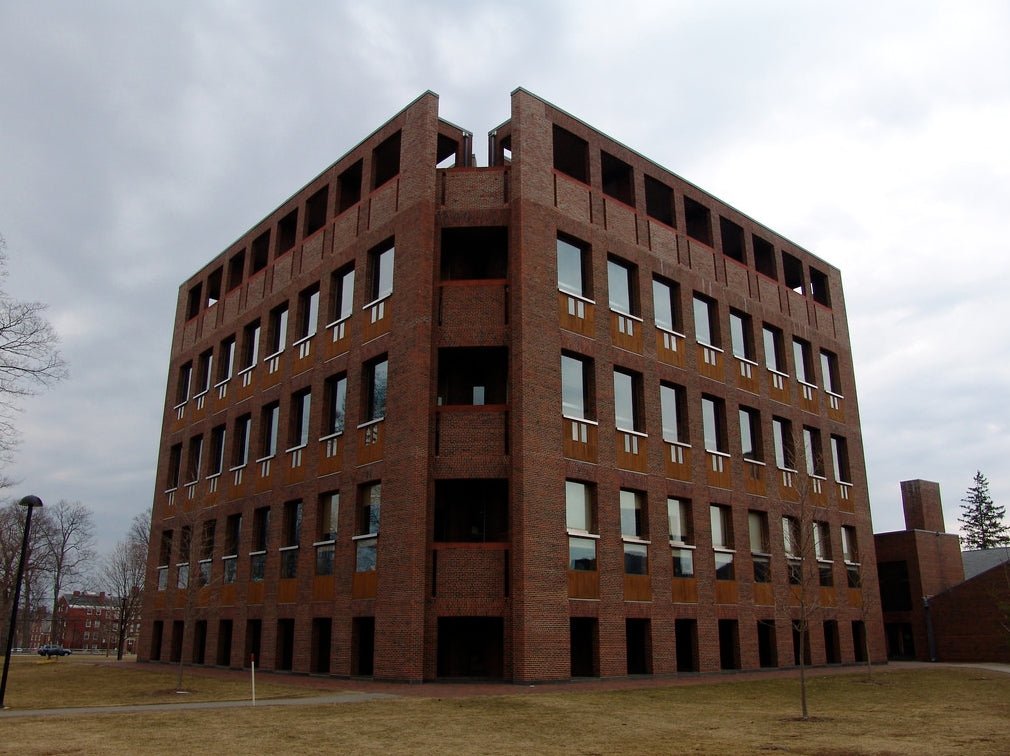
x=923, y=509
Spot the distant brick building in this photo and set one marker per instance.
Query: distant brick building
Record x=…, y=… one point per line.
x=565, y=415
x=90, y=622
x=940, y=604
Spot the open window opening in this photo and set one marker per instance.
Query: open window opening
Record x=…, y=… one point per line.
x=474, y=253
x=472, y=376
x=287, y=230
x=819, y=289
x=698, y=220
x=571, y=155
x=194, y=301
x=349, y=188
x=471, y=647
x=638, y=644
x=236, y=270
x=447, y=152
x=473, y=510
x=315, y=210
x=732, y=240
x=792, y=272
x=764, y=257
x=584, y=646
x=386, y=161
x=260, y=250
x=618, y=179
x=214, y=287
x=659, y=201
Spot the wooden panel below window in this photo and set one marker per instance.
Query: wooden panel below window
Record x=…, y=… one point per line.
x=228, y=595
x=336, y=339
x=377, y=320
x=576, y=314
x=670, y=348
x=778, y=387
x=808, y=398
x=678, y=462
x=371, y=440
x=322, y=587
x=685, y=591
x=626, y=332
x=579, y=439
x=711, y=363
x=256, y=592
x=632, y=451
x=364, y=585
x=637, y=588
x=583, y=584
x=827, y=596
x=287, y=591
x=718, y=470
x=726, y=592
x=755, y=482
x=763, y=594
x=855, y=597
x=330, y=455
x=836, y=407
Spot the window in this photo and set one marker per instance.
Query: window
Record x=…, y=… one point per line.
x=195, y=455
x=183, y=386
x=381, y=271
x=250, y=344
x=775, y=358
x=308, y=312
x=673, y=403
x=575, y=385
x=792, y=273
x=750, y=434
x=803, y=359
x=174, y=467
x=850, y=553
x=217, y=450
x=193, y=304
x=240, y=443
x=287, y=230
x=386, y=161
x=713, y=414
x=232, y=531
x=732, y=240
x=261, y=528
x=813, y=451
x=204, y=372
x=757, y=523
x=571, y=155
x=705, y=321
x=236, y=270
x=829, y=373
x=822, y=550
x=474, y=253
x=741, y=335
x=260, y=252
x=628, y=400
x=349, y=187
x=634, y=524
x=793, y=548
x=292, y=532
x=581, y=522
x=315, y=210
x=226, y=363
x=659, y=201
x=698, y=220
x=367, y=527
x=621, y=287
x=572, y=268
x=782, y=434
x=840, y=459
x=618, y=178
x=764, y=257
x=665, y=304
x=681, y=536
x=819, y=288
x=471, y=510
x=326, y=519
x=722, y=541
x=472, y=376
x=342, y=292
x=165, y=549
x=214, y=287
x=375, y=375
x=206, y=550
x=335, y=397
x=269, y=421
x=301, y=414
x=278, y=329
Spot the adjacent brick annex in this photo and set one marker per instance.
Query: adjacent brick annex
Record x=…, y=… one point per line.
x=502, y=604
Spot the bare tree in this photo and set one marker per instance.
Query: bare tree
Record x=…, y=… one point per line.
x=123, y=573
x=12, y=525
x=69, y=541
x=29, y=359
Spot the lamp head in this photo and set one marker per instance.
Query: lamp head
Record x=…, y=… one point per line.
x=31, y=501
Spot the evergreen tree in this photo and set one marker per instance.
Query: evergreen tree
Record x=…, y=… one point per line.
x=981, y=519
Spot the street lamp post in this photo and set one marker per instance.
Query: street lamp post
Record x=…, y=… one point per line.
x=30, y=502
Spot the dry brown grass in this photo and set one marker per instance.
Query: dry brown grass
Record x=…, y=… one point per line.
x=919, y=711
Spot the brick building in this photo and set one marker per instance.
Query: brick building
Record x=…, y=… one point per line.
x=564, y=415
x=90, y=622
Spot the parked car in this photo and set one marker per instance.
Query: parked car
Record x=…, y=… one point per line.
x=53, y=649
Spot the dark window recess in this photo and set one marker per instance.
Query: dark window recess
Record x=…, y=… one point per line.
x=473, y=376
x=260, y=252
x=471, y=511
x=659, y=201
x=764, y=257
x=349, y=188
x=315, y=211
x=618, y=179
x=214, y=287
x=470, y=254
x=819, y=289
x=236, y=269
x=895, y=590
x=698, y=220
x=732, y=240
x=386, y=161
x=792, y=273
x=287, y=230
x=447, y=148
x=194, y=302
x=571, y=155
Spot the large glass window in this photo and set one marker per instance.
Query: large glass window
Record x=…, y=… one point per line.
x=376, y=375
x=804, y=360
x=572, y=277
x=813, y=451
x=301, y=414
x=240, y=441
x=664, y=305
x=382, y=272
x=757, y=523
x=620, y=281
x=750, y=434
x=713, y=413
x=226, y=363
x=580, y=521
x=278, y=329
x=308, y=312
x=722, y=541
x=270, y=419
x=775, y=358
x=575, y=398
x=674, y=410
x=634, y=523
x=250, y=344
x=840, y=459
x=782, y=433
x=217, y=450
x=342, y=294
x=829, y=373
x=335, y=393
x=706, y=324
x=627, y=400
x=741, y=335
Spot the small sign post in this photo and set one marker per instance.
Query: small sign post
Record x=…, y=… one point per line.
x=252, y=660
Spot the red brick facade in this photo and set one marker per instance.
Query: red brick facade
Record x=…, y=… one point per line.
x=476, y=567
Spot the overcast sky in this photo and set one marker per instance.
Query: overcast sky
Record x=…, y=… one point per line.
x=138, y=140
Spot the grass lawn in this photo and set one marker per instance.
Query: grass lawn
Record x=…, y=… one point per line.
x=908, y=711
